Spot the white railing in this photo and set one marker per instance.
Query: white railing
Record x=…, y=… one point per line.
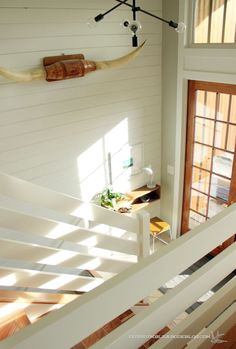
x=46, y=201
x=71, y=324
x=52, y=235
x=27, y=215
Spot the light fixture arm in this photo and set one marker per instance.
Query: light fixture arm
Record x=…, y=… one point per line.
x=99, y=17
x=134, y=37
x=134, y=26
x=136, y=9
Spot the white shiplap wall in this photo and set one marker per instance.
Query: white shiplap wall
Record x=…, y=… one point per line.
x=59, y=134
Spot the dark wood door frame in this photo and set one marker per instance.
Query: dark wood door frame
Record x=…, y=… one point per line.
x=194, y=86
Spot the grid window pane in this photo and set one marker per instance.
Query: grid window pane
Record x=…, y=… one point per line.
x=195, y=219
x=200, y=180
x=222, y=163
x=217, y=21
x=215, y=206
x=211, y=141
x=200, y=106
x=204, y=131
x=210, y=108
x=202, y=10
x=223, y=111
x=233, y=110
x=231, y=138
x=220, y=135
x=230, y=22
x=220, y=188
x=202, y=156
x=199, y=202
x=214, y=23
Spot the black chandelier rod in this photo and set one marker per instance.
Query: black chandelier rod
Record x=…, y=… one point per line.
x=101, y=15
x=135, y=9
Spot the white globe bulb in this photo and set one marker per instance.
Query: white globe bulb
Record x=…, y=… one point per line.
x=181, y=27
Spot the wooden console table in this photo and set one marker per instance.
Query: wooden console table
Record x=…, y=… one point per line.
x=144, y=196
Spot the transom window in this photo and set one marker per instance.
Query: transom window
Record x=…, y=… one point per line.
x=214, y=21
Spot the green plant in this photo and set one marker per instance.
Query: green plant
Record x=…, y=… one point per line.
x=108, y=198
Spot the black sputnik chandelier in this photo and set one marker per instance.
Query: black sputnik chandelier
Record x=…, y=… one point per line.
x=134, y=25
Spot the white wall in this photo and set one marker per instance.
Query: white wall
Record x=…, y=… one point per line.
x=214, y=64
x=169, y=101
x=59, y=134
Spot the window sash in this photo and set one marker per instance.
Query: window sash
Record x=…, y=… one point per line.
x=216, y=24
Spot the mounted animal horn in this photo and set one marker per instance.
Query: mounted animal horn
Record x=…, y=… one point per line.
x=67, y=67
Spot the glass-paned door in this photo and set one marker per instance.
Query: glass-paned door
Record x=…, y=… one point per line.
x=210, y=154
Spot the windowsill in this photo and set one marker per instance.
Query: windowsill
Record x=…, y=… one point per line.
x=209, y=50
x=226, y=46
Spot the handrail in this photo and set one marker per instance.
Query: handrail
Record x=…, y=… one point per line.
x=200, y=318
x=119, y=293
x=102, y=241
x=40, y=232
x=221, y=325
x=35, y=194
x=165, y=309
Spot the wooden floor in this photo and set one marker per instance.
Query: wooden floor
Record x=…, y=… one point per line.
x=230, y=338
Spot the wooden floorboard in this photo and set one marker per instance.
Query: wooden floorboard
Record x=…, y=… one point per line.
x=230, y=338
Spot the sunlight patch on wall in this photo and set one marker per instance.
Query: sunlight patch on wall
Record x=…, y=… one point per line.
x=103, y=163
x=91, y=170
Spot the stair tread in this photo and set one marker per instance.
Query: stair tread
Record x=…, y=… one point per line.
x=13, y=325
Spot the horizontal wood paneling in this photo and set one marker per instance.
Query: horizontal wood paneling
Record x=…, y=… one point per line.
x=45, y=128
x=92, y=4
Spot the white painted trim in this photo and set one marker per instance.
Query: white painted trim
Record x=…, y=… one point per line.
x=113, y=264
x=210, y=51
x=200, y=318
x=165, y=309
x=128, y=287
x=102, y=241
x=41, y=268
x=35, y=194
x=209, y=76
x=185, y=8
x=180, y=134
x=144, y=234
x=188, y=6
x=221, y=325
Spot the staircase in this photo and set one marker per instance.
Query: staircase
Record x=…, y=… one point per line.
x=94, y=264
x=55, y=248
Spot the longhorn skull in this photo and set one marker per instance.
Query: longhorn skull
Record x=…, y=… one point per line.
x=66, y=67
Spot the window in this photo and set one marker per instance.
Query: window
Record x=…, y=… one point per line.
x=214, y=21
x=210, y=168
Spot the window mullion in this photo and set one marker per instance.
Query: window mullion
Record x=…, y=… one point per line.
x=209, y=22
x=224, y=20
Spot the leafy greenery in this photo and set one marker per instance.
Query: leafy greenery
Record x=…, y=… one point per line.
x=108, y=198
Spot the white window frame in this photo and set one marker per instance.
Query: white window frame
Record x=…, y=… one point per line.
x=191, y=26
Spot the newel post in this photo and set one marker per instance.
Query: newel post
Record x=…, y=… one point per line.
x=144, y=234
